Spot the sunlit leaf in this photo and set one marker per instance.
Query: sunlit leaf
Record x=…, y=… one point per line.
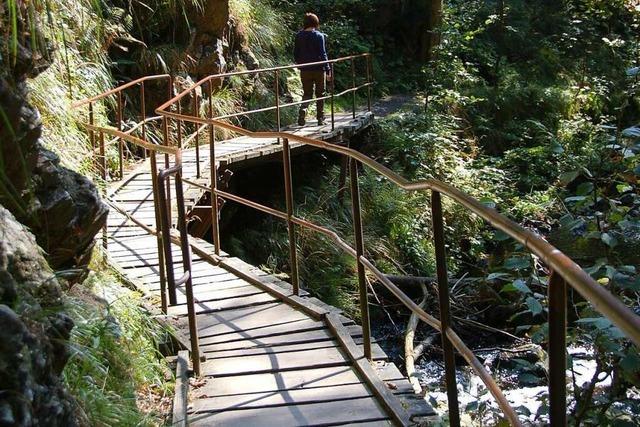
x=517, y=263
x=568, y=177
x=609, y=240
x=534, y=305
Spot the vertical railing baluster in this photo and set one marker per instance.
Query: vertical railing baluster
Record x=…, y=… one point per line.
x=288, y=188
x=120, y=141
x=186, y=263
x=557, y=292
x=103, y=172
x=353, y=86
x=103, y=159
x=359, y=238
x=143, y=113
x=332, y=84
x=196, y=113
x=92, y=135
x=164, y=205
x=159, y=235
x=278, y=100
x=215, y=226
x=443, y=296
x=179, y=127
x=167, y=142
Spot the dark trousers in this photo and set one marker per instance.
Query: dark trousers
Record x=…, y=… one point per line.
x=311, y=80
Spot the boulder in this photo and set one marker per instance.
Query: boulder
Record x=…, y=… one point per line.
x=34, y=333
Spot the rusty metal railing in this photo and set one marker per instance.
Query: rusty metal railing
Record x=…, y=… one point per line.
x=563, y=270
x=161, y=191
x=172, y=109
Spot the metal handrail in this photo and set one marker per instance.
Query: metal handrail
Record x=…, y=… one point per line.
x=120, y=88
x=619, y=314
x=257, y=71
x=563, y=269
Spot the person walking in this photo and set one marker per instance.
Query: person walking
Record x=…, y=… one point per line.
x=310, y=46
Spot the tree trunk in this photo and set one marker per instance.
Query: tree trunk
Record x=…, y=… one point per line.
x=432, y=35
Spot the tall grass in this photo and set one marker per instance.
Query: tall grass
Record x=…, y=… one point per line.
x=79, y=69
x=114, y=359
x=265, y=27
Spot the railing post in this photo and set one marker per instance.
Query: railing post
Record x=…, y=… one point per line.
x=278, y=100
x=333, y=91
x=120, y=141
x=443, y=294
x=196, y=113
x=103, y=163
x=159, y=236
x=214, y=177
x=143, y=113
x=353, y=86
x=103, y=159
x=362, y=280
x=288, y=188
x=369, y=81
x=165, y=229
x=179, y=127
x=92, y=136
x=167, y=142
x=557, y=292
x=186, y=263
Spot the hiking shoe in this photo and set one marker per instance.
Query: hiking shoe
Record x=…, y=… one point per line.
x=301, y=118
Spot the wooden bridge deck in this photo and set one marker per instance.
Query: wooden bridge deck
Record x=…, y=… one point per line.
x=272, y=358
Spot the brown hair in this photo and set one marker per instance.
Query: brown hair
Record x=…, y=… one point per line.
x=311, y=21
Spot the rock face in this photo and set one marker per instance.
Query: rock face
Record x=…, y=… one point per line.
x=33, y=336
x=212, y=18
x=61, y=207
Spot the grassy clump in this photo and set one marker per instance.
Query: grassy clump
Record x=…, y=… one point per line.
x=79, y=69
x=116, y=372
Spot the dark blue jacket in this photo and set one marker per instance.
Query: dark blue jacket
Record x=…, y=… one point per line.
x=311, y=47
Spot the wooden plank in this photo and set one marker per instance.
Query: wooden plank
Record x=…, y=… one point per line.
x=200, y=280
x=203, y=403
x=278, y=381
x=181, y=390
x=285, y=348
x=362, y=365
x=265, y=332
x=257, y=364
x=300, y=303
x=335, y=412
x=211, y=293
x=221, y=305
x=416, y=405
x=309, y=336
x=247, y=319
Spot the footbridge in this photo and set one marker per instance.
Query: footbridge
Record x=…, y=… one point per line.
x=263, y=351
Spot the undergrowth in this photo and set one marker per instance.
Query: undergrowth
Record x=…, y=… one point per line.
x=116, y=373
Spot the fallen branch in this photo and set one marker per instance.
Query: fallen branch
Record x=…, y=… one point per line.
x=409, y=350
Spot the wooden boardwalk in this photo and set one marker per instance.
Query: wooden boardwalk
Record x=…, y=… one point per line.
x=272, y=358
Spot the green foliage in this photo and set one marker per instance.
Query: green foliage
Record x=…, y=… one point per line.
x=266, y=30
x=114, y=357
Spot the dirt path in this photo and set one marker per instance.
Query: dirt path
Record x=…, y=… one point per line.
x=393, y=103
